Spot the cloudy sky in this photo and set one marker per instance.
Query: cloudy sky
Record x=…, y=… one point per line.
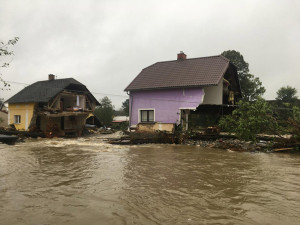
x=104, y=44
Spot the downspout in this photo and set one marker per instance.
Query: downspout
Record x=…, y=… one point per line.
x=130, y=109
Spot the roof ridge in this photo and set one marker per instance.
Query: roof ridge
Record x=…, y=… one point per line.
x=192, y=59
x=70, y=80
x=42, y=91
x=58, y=79
x=139, y=74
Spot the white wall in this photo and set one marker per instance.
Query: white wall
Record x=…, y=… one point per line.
x=82, y=101
x=214, y=94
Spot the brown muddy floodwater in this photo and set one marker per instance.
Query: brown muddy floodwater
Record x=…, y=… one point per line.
x=86, y=181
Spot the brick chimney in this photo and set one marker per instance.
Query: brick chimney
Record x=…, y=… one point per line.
x=181, y=56
x=51, y=77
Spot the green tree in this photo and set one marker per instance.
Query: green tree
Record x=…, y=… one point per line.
x=251, y=86
x=105, y=112
x=286, y=100
x=250, y=119
x=287, y=94
x=4, y=53
x=238, y=60
x=125, y=107
x=294, y=123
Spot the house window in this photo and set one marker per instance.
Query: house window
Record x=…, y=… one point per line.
x=17, y=119
x=147, y=115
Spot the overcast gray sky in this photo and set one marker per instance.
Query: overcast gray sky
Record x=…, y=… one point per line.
x=104, y=44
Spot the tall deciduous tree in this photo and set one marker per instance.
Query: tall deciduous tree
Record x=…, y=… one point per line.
x=287, y=94
x=294, y=123
x=105, y=112
x=125, y=107
x=251, y=86
x=4, y=53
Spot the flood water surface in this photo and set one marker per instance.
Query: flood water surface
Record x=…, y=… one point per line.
x=86, y=181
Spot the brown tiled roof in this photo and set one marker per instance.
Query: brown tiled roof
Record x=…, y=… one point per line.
x=194, y=72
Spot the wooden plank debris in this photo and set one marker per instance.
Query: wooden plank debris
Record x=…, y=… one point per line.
x=282, y=149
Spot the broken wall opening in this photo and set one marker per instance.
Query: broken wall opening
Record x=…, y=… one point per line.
x=69, y=123
x=184, y=118
x=231, y=87
x=208, y=116
x=69, y=102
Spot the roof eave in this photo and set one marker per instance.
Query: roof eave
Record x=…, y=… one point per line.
x=225, y=69
x=170, y=87
x=20, y=102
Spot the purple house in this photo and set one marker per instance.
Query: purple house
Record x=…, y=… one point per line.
x=166, y=92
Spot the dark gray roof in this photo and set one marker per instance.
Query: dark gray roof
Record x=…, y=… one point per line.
x=43, y=91
x=194, y=72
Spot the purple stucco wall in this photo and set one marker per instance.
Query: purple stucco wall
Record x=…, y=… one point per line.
x=166, y=103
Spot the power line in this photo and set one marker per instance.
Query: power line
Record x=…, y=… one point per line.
x=94, y=93
x=14, y=82
x=124, y=96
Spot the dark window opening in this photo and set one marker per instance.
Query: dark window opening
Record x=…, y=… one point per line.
x=62, y=123
x=38, y=122
x=147, y=115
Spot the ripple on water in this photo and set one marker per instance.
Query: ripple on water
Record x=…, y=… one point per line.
x=84, y=181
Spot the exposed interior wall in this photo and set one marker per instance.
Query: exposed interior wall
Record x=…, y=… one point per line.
x=68, y=101
x=152, y=127
x=89, y=104
x=56, y=105
x=63, y=124
x=82, y=101
x=74, y=122
x=25, y=110
x=214, y=94
x=53, y=124
x=234, y=92
x=43, y=123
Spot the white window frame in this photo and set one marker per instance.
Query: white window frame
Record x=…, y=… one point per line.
x=17, y=119
x=139, y=115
